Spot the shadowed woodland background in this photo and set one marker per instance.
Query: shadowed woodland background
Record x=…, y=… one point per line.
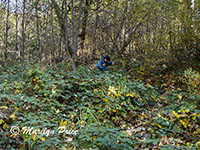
x=52, y=31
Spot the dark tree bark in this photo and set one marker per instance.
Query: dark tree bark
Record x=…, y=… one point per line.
x=66, y=31
x=23, y=33
x=85, y=19
x=6, y=34
x=16, y=25
x=95, y=30
x=62, y=24
x=74, y=36
x=52, y=39
x=38, y=32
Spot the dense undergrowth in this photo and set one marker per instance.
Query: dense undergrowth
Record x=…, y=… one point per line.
x=109, y=111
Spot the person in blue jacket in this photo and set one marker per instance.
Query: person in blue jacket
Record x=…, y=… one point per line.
x=104, y=63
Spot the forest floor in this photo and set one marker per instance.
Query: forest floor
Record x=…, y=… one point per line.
x=53, y=108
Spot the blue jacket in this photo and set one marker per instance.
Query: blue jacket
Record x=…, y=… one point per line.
x=100, y=64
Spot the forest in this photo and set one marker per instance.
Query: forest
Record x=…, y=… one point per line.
x=59, y=90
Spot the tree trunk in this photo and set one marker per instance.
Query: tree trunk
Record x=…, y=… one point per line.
x=62, y=24
x=78, y=22
x=23, y=34
x=38, y=32
x=66, y=31
x=74, y=36
x=95, y=30
x=16, y=36
x=84, y=25
x=6, y=34
x=52, y=40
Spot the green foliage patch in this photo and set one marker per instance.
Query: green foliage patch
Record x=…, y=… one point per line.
x=109, y=111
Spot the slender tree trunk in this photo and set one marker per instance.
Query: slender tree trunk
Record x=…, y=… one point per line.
x=6, y=34
x=23, y=33
x=53, y=49
x=66, y=31
x=60, y=53
x=45, y=41
x=62, y=25
x=38, y=32
x=74, y=36
x=83, y=34
x=78, y=22
x=95, y=30
x=115, y=31
x=170, y=39
x=28, y=38
x=16, y=36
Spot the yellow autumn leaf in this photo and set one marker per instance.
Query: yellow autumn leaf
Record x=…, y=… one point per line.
x=83, y=83
x=183, y=123
x=5, y=107
x=12, y=116
x=148, y=84
x=112, y=89
x=94, y=138
x=5, y=125
x=82, y=122
x=187, y=110
x=196, y=132
x=129, y=95
x=65, y=122
x=141, y=117
x=62, y=123
x=179, y=89
x=198, y=144
x=100, y=111
x=42, y=138
x=114, y=110
x=1, y=121
x=118, y=95
x=34, y=137
x=159, y=125
x=98, y=144
x=16, y=108
x=180, y=96
x=194, y=117
x=53, y=87
x=105, y=100
x=175, y=114
x=17, y=91
x=184, y=115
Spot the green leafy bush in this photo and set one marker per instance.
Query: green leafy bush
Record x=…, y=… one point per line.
x=192, y=79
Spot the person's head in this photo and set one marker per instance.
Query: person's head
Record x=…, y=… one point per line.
x=106, y=59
